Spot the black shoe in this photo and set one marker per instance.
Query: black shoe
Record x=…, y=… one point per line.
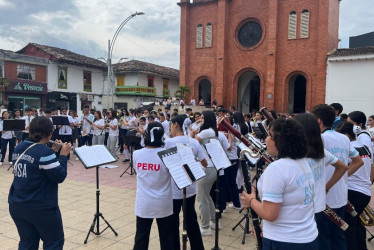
x=126, y=160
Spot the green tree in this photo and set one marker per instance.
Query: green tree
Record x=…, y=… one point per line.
x=182, y=91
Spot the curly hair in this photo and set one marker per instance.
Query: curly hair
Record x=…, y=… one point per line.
x=289, y=138
x=40, y=127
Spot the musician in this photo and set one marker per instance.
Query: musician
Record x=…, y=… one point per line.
x=331, y=236
x=17, y=115
x=33, y=196
x=75, y=132
x=206, y=205
x=286, y=190
x=153, y=192
x=86, y=119
x=196, y=125
x=165, y=124
x=123, y=128
x=359, y=189
x=7, y=137
x=112, y=125
x=65, y=131
x=97, y=126
x=359, y=118
x=28, y=118
x=318, y=159
x=193, y=231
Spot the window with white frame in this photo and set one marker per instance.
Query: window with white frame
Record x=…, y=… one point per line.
x=25, y=72
x=208, y=35
x=199, y=36
x=304, y=27
x=292, y=24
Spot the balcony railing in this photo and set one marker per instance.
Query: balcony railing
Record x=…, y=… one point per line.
x=166, y=92
x=135, y=90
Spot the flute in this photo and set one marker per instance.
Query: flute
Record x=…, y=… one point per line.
x=57, y=143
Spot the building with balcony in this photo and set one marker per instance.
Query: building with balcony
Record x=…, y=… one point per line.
x=23, y=81
x=137, y=82
x=73, y=80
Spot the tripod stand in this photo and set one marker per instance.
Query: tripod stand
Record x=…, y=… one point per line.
x=132, y=142
x=97, y=215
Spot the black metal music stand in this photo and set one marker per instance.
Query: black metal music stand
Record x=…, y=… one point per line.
x=132, y=142
x=97, y=215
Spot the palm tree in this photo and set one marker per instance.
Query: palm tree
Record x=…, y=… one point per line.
x=182, y=91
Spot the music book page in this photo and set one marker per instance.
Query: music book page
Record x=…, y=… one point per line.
x=188, y=158
x=175, y=165
x=216, y=153
x=94, y=156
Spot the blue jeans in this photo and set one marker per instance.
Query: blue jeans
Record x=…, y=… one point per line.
x=330, y=236
x=268, y=244
x=4, y=144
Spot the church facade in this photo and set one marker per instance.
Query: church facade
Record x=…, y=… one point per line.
x=252, y=53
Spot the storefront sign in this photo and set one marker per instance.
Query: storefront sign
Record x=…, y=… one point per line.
x=63, y=96
x=26, y=86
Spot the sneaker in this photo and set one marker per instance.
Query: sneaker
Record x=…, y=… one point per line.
x=232, y=206
x=10, y=163
x=224, y=211
x=77, y=159
x=213, y=225
x=206, y=232
x=120, y=153
x=1, y=163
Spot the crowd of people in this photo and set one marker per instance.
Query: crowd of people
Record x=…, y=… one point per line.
x=323, y=158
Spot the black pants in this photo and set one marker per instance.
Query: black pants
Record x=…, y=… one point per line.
x=193, y=230
x=356, y=233
x=25, y=136
x=68, y=139
x=143, y=230
x=33, y=225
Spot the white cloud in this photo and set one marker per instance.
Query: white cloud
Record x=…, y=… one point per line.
x=6, y=4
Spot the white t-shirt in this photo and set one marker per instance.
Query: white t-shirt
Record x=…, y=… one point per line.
x=113, y=132
x=225, y=145
x=365, y=139
x=206, y=133
x=165, y=124
x=338, y=145
x=66, y=129
x=284, y=181
x=154, y=197
x=132, y=122
x=318, y=168
x=86, y=126
x=233, y=154
x=198, y=152
x=360, y=180
x=96, y=130
x=6, y=135
x=28, y=120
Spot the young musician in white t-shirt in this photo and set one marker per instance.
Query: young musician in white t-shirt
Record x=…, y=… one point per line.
x=28, y=118
x=206, y=204
x=359, y=189
x=113, y=132
x=331, y=236
x=286, y=189
x=318, y=159
x=193, y=231
x=97, y=126
x=154, y=198
x=7, y=137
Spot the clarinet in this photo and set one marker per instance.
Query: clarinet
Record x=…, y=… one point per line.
x=255, y=219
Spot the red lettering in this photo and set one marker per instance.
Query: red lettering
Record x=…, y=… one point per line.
x=139, y=165
x=157, y=167
x=144, y=166
x=150, y=166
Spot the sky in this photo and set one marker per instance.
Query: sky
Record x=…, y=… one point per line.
x=85, y=26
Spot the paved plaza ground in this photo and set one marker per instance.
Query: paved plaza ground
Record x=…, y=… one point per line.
x=77, y=200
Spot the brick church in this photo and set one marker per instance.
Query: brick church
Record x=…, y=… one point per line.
x=254, y=53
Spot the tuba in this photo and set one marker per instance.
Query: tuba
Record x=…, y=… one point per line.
x=367, y=216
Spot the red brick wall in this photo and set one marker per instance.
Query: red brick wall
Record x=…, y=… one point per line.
x=11, y=71
x=274, y=60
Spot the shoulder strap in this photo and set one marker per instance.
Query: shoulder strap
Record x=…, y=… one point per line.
x=19, y=157
x=365, y=132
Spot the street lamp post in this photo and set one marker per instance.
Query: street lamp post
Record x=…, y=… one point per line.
x=110, y=53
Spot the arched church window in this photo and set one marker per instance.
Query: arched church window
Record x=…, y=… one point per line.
x=208, y=35
x=292, y=24
x=199, y=36
x=304, y=28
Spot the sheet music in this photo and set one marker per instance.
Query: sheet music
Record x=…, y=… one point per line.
x=175, y=165
x=188, y=158
x=217, y=154
x=94, y=155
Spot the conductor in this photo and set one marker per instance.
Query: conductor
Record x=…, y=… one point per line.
x=33, y=195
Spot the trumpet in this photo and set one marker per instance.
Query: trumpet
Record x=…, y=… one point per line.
x=367, y=216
